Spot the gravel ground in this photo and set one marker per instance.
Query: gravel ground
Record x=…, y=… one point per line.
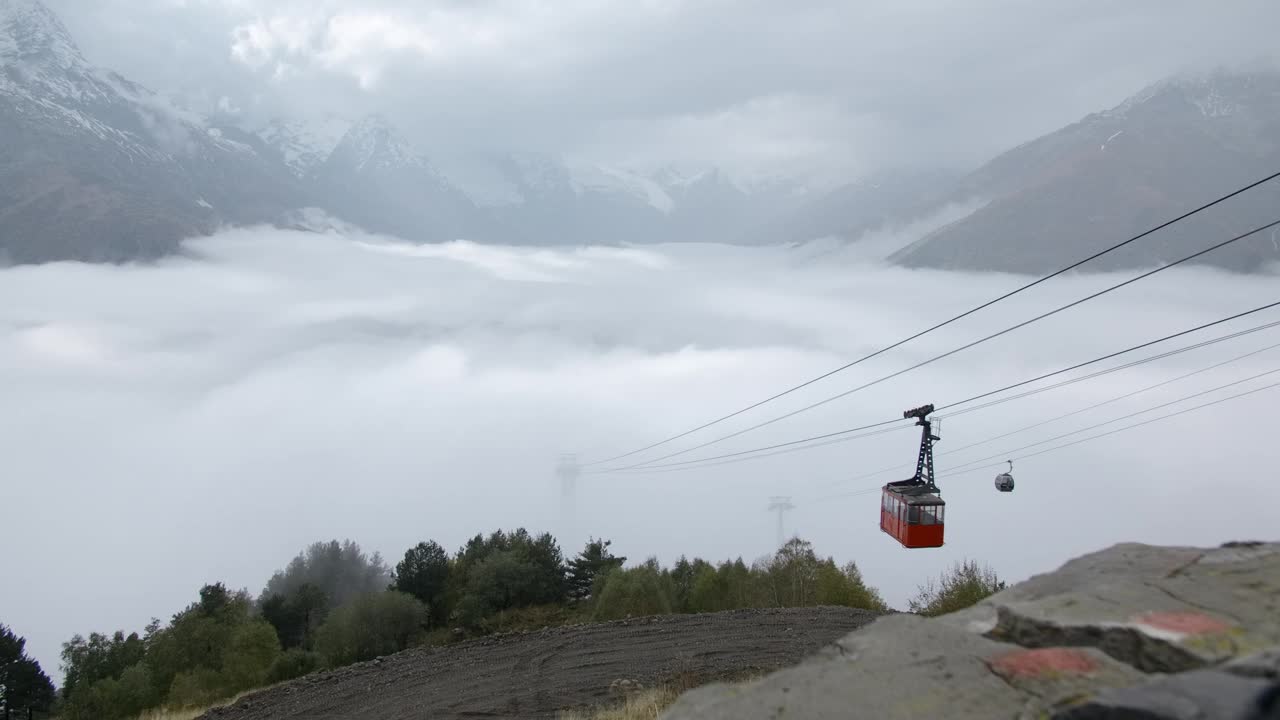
x=536, y=674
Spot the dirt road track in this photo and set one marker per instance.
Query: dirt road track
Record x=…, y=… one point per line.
x=534, y=675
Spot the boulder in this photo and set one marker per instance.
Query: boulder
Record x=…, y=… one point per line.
x=1133, y=631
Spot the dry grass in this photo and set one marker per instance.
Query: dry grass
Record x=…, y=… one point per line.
x=189, y=713
x=649, y=704
x=646, y=705
x=172, y=714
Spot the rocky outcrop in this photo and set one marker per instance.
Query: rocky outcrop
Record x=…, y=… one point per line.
x=1134, y=631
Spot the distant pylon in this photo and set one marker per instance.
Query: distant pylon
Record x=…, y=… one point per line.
x=568, y=470
x=780, y=505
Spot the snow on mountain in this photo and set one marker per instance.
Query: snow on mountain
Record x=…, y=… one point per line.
x=96, y=167
x=49, y=81
x=677, y=181
x=481, y=178
x=537, y=172
x=1215, y=93
x=30, y=33
x=374, y=143
x=1114, y=173
x=304, y=144
x=585, y=177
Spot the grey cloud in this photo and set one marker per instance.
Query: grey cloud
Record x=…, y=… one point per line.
x=203, y=419
x=920, y=82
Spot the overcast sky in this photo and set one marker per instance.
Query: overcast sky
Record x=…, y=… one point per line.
x=204, y=420
x=749, y=84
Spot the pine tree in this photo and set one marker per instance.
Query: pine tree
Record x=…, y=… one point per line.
x=23, y=684
x=424, y=574
x=595, y=561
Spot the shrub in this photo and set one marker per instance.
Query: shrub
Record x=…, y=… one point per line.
x=845, y=587
x=964, y=585
x=639, y=591
x=370, y=626
x=251, y=652
x=294, y=663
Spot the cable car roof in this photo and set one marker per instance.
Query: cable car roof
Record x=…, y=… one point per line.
x=915, y=495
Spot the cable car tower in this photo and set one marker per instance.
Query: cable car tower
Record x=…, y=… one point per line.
x=911, y=510
x=780, y=505
x=568, y=469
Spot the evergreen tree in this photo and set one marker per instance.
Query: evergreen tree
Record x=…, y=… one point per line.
x=297, y=616
x=342, y=570
x=506, y=570
x=23, y=684
x=595, y=561
x=424, y=574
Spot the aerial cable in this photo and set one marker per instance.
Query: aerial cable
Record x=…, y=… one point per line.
x=1118, y=398
x=971, y=311
x=1184, y=411
x=789, y=447
x=1127, y=427
x=974, y=343
x=1116, y=354
x=901, y=466
x=1107, y=371
x=1122, y=417
x=1077, y=366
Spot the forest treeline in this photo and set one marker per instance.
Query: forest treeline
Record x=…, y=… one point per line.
x=333, y=605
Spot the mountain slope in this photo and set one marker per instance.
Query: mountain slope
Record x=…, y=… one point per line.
x=95, y=167
x=1112, y=175
x=535, y=198
x=302, y=146
x=884, y=199
x=377, y=180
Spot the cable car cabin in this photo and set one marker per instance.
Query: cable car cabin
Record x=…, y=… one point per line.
x=1004, y=481
x=912, y=514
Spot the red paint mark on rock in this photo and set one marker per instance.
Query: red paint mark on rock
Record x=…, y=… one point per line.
x=1188, y=623
x=1044, y=661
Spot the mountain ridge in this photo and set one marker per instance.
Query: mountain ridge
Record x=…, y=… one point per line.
x=1167, y=149
x=103, y=169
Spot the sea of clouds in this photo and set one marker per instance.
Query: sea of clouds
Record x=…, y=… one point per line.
x=203, y=418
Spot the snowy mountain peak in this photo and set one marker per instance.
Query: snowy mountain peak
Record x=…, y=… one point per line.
x=672, y=177
x=586, y=177
x=1215, y=93
x=374, y=143
x=31, y=32
x=304, y=145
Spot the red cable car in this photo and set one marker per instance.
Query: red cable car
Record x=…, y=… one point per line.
x=912, y=511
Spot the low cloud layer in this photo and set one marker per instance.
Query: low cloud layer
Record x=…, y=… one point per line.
x=205, y=418
x=747, y=84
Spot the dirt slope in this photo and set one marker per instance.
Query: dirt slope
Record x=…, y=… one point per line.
x=536, y=674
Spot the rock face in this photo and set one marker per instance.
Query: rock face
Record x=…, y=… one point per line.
x=1134, y=631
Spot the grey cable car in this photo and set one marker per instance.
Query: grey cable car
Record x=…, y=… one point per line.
x=1004, y=481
